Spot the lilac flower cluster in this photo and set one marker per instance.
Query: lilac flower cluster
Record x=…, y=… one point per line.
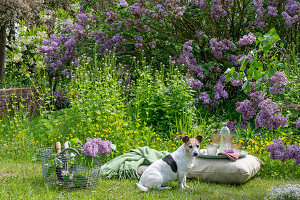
x=268, y=116
x=107, y=44
x=291, y=14
x=279, y=152
x=138, y=10
x=139, y=41
x=279, y=80
x=110, y=17
x=236, y=82
x=58, y=100
x=287, y=191
x=56, y=56
x=195, y=83
x=123, y=3
x=260, y=20
x=256, y=97
x=94, y=146
x=187, y=58
x=201, y=4
x=272, y=8
x=217, y=10
x=298, y=123
x=219, y=89
x=205, y=98
x=247, y=108
x=235, y=59
x=247, y=39
x=217, y=48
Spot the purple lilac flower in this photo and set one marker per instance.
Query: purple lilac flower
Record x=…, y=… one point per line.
x=236, y=82
x=276, y=149
x=205, y=98
x=82, y=18
x=217, y=48
x=279, y=80
x=292, y=7
x=110, y=17
x=123, y=3
x=187, y=58
x=298, y=123
x=268, y=117
x=201, y=4
x=219, y=91
x=90, y=148
x=256, y=96
x=96, y=145
x=153, y=44
x=195, y=84
x=137, y=10
x=246, y=108
x=57, y=99
x=280, y=152
x=272, y=11
x=247, y=39
x=217, y=69
x=199, y=33
x=217, y=10
x=289, y=21
x=234, y=59
x=260, y=21
x=291, y=14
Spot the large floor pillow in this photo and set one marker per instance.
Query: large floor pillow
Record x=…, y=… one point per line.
x=224, y=170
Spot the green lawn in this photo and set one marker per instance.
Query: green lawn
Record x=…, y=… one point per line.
x=23, y=180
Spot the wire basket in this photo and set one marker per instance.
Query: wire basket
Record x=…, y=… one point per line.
x=69, y=170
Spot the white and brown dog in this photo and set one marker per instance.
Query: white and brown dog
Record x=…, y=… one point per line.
x=174, y=166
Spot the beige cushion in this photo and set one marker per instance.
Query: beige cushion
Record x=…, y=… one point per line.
x=224, y=170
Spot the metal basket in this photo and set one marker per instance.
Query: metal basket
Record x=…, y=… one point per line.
x=68, y=170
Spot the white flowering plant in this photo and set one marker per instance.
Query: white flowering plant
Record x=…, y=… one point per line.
x=21, y=58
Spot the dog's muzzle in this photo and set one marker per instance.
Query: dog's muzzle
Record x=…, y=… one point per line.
x=195, y=154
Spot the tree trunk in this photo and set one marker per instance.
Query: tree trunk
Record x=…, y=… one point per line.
x=2, y=51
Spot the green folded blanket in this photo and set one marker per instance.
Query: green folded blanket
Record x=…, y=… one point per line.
x=125, y=166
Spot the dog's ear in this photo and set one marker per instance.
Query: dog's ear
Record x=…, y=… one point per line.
x=199, y=138
x=184, y=138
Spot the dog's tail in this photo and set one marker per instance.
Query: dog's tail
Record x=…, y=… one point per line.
x=141, y=187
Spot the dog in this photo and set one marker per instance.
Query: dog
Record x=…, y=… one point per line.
x=174, y=166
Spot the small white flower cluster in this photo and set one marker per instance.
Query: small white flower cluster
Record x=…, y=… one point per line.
x=287, y=191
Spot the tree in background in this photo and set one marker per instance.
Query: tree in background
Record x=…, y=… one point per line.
x=11, y=11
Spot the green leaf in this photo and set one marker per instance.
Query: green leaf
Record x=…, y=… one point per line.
x=248, y=88
x=259, y=66
x=235, y=75
x=245, y=85
x=250, y=71
x=227, y=79
x=272, y=71
x=256, y=74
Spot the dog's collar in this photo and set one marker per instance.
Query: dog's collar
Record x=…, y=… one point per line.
x=171, y=162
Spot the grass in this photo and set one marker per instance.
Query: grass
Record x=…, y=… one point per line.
x=23, y=180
